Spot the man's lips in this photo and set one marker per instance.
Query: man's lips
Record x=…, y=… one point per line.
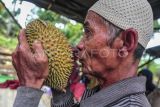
x=81, y=60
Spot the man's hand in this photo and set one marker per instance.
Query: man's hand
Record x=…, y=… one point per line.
x=31, y=66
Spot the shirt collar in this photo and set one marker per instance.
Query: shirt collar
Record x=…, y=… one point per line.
x=115, y=92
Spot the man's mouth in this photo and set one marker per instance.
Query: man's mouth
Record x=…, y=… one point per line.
x=81, y=60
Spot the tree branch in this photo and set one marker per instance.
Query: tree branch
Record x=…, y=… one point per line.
x=10, y=14
x=147, y=62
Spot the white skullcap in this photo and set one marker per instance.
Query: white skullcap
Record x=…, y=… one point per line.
x=127, y=14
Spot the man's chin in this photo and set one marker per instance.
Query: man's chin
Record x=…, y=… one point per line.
x=86, y=72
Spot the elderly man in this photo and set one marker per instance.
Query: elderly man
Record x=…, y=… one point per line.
x=116, y=34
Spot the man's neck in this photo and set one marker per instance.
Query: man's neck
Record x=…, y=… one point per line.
x=120, y=73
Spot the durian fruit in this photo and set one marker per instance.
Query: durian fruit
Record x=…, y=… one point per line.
x=57, y=49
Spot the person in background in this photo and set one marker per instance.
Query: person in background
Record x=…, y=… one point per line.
x=116, y=32
x=149, y=83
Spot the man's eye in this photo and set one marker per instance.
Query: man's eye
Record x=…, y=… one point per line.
x=87, y=32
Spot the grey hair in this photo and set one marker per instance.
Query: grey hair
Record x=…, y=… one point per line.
x=115, y=31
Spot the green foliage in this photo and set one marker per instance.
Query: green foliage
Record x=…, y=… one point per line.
x=4, y=78
x=48, y=16
x=8, y=42
x=156, y=26
x=7, y=26
x=73, y=32
x=153, y=66
x=1, y=7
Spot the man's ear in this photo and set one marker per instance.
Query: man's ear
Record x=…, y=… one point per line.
x=130, y=39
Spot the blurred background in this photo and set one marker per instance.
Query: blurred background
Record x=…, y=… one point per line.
x=68, y=17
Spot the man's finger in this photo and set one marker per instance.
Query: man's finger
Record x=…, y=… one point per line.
x=14, y=63
x=15, y=53
x=23, y=40
x=15, y=60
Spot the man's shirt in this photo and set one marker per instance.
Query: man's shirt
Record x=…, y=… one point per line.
x=126, y=93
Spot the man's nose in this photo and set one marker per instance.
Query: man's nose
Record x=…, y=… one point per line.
x=80, y=45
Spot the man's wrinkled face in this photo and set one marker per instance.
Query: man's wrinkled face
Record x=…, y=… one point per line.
x=95, y=54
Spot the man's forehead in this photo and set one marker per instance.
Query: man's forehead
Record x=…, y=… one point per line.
x=92, y=14
x=92, y=17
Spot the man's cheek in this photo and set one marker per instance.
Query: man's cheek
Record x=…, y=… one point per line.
x=94, y=53
x=104, y=53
